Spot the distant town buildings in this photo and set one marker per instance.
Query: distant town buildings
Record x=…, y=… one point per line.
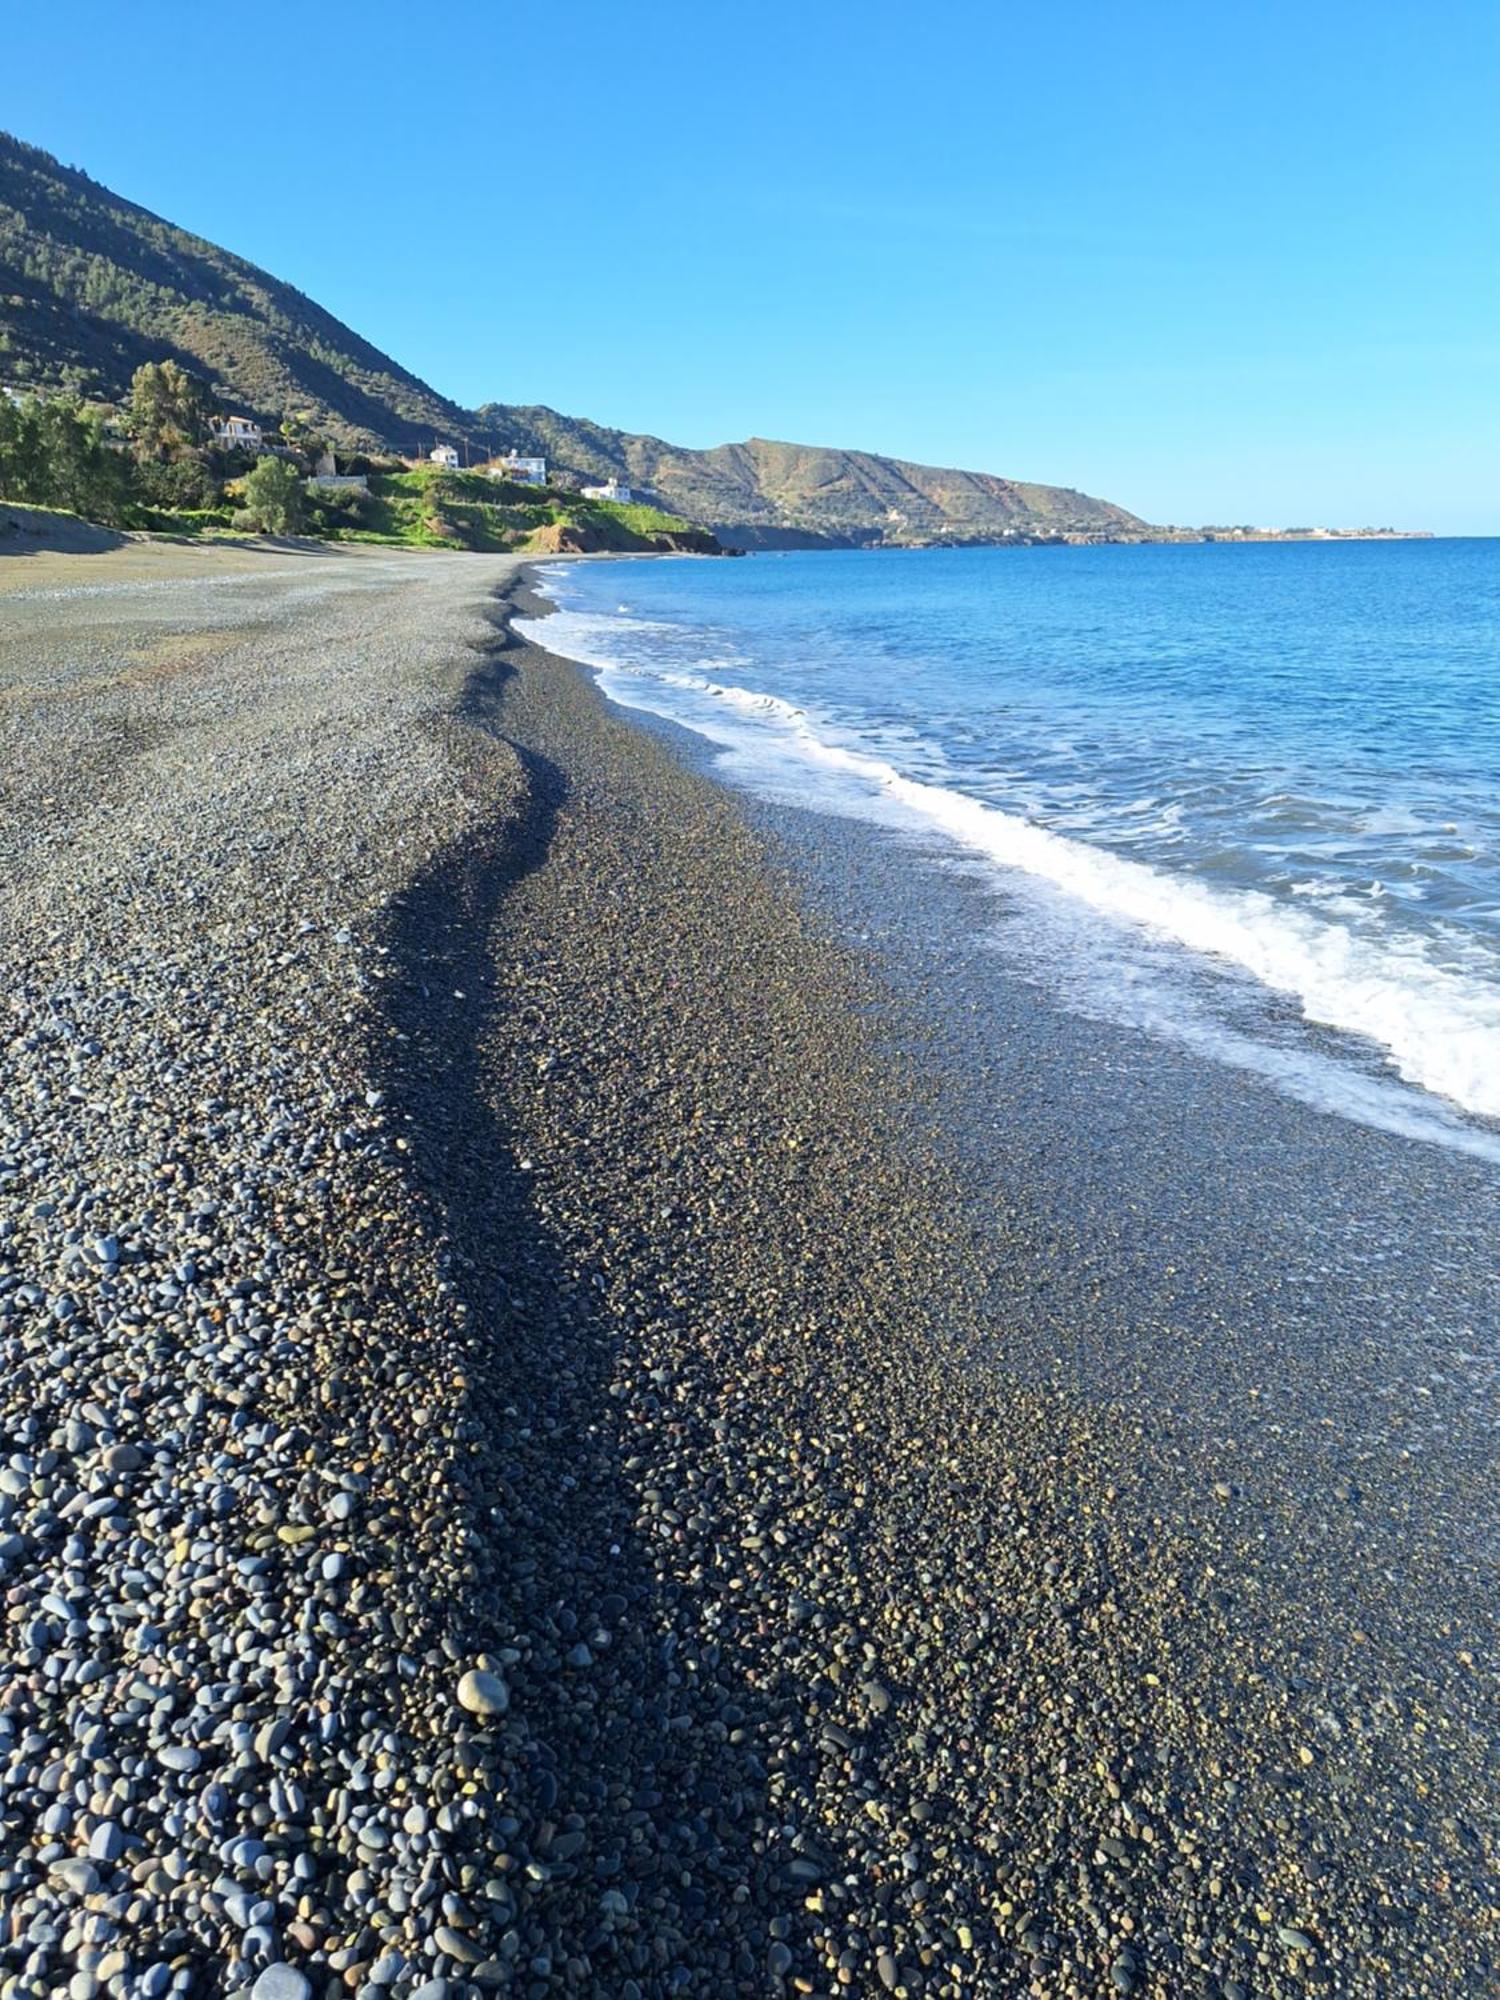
x=610, y=490
x=523, y=471
x=444, y=454
x=237, y=434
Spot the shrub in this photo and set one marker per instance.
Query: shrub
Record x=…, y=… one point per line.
x=178, y=484
x=274, y=497
x=340, y=508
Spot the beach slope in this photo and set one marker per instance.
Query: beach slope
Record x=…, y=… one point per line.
x=507, y=1481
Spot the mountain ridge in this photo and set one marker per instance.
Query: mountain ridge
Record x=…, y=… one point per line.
x=92, y=284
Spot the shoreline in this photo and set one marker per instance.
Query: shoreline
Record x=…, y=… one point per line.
x=607, y=1321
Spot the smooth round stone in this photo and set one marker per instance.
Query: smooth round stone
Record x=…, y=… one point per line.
x=77, y=1875
x=483, y=1694
x=281, y=1982
x=456, y=1945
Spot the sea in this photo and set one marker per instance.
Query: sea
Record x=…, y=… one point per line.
x=1241, y=801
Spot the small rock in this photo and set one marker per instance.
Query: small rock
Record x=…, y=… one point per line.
x=77, y=1875
x=456, y=1945
x=282, y=1982
x=482, y=1693
x=1295, y=1940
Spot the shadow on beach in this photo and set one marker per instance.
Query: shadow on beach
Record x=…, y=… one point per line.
x=36, y=531
x=638, y=1796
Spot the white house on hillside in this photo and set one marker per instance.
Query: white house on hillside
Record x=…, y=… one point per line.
x=611, y=490
x=523, y=471
x=237, y=434
x=444, y=454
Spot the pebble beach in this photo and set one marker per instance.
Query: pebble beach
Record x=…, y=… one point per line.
x=506, y=1483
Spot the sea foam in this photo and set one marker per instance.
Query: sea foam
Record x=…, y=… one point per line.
x=1438, y=1028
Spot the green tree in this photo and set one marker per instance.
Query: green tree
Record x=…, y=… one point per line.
x=53, y=455
x=169, y=409
x=273, y=497
x=297, y=431
x=180, y=482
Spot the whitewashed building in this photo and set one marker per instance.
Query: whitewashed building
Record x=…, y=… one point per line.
x=238, y=434
x=523, y=471
x=611, y=490
x=444, y=454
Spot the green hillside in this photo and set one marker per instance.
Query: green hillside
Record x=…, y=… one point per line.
x=91, y=286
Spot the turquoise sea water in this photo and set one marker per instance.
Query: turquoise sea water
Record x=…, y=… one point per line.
x=1246, y=798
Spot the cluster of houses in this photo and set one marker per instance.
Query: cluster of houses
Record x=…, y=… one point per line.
x=234, y=433
x=509, y=466
x=522, y=471
x=244, y=434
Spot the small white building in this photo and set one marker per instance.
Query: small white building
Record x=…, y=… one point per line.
x=237, y=434
x=611, y=490
x=523, y=471
x=444, y=454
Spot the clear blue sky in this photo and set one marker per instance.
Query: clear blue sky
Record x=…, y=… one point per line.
x=1217, y=263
